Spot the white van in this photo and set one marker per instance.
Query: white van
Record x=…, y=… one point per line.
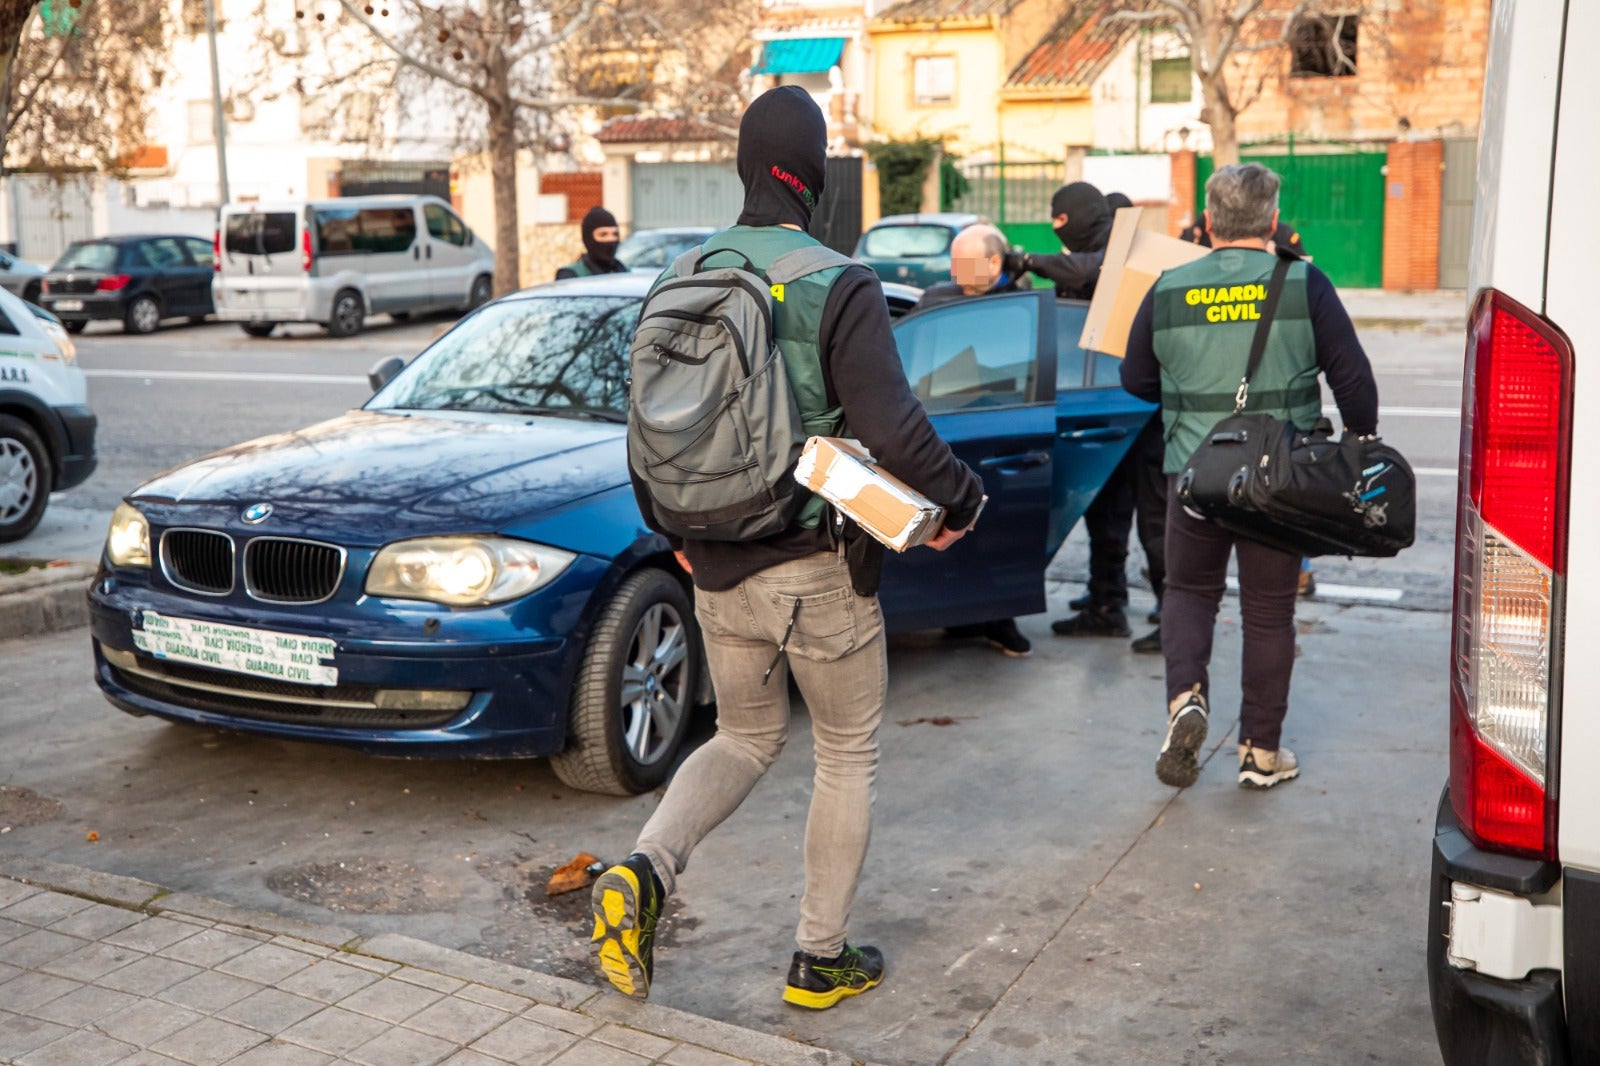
x=337, y=261
x=1514, y=918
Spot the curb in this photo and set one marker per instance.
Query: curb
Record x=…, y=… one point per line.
x=133, y=894
x=43, y=601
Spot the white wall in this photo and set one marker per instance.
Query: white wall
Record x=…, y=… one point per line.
x=1141, y=178
x=1122, y=105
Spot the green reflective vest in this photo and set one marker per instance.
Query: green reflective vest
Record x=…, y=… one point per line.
x=1205, y=318
x=796, y=326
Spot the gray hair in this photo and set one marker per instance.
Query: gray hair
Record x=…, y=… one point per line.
x=1240, y=200
x=994, y=242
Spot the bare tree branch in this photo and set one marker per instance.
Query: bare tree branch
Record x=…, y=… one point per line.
x=406, y=57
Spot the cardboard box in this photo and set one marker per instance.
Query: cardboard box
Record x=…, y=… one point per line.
x=845, y=474
x=1134, y=259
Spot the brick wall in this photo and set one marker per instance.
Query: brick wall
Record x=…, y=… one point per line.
x=1411, y=215
x=1180, y=211
x=581, y=188
x=548, y=248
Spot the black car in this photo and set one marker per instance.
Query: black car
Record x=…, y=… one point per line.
x=136, y=280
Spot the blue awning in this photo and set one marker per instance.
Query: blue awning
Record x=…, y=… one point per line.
x=800, y=55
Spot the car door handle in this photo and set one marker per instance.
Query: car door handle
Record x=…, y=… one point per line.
x=1011, y=464
x=1095, y=434
x=430, y=251
x=416, y=251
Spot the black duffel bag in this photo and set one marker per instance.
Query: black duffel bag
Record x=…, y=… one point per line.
x=1302, y=491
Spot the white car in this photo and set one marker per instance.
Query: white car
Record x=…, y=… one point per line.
x=1514, y=919
x=46, y=427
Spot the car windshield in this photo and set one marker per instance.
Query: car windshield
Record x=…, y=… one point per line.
x=906, y=242
x=556, y=355
x=90, y=255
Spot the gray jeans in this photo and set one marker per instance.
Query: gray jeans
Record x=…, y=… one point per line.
x=836, y=650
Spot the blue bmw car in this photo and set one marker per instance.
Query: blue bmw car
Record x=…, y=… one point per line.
x=458, y=568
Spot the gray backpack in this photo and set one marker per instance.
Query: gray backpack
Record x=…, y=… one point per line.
x=713, y=427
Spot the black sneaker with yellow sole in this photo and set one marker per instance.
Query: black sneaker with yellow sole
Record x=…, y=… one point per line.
x=819, y=983
x=626, y=901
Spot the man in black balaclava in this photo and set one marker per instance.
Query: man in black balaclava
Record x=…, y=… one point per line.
x=600, y=239
x=806, y=596
x=1081, y=218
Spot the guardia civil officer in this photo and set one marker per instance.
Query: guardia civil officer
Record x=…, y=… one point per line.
x=1191, y=359
x=600, y=239
x=1081, y=217
x=800, y=600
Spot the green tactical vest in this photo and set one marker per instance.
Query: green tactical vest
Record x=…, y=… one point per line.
x=796, y=327
x=579, y=268
x=1205, y=318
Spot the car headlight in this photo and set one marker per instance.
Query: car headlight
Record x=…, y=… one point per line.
x=464, y=571
x=128, y=542
x=63, y=341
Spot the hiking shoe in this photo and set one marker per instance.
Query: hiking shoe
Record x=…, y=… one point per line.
x=627, y=903
x=1093, y=622
x=1308, y=584
x=1008, y=638
x=1261, y=769
x=1149, y=644
x=1178, y=764
x=819, y=983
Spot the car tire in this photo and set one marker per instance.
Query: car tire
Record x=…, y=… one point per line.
x=481, y=293
x=143, y=315
x=644, y=645
x=348, y=314
x=25, y=478
x=74, y=326
x=258, y=329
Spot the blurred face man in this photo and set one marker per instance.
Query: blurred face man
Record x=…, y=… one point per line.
x=976, y=258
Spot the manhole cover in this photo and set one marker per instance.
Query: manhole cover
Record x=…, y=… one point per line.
x=364, y=886
x=20, y=807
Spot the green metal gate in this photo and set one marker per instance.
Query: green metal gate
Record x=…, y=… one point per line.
x=1015, y=197
x=1335, y=200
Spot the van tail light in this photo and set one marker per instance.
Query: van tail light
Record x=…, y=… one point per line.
x=112, y=283
x=307, y=259
x=216, y=250
x=1511, y=559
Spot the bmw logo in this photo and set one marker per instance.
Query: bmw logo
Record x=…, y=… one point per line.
x=257, y=513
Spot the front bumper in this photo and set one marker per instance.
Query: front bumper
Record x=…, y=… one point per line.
x=515, y=690
x=1487, y=1021
x=78, y=424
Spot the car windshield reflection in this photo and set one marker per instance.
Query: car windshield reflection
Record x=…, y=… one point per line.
x=553, y=355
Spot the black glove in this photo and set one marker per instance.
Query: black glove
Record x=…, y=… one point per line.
x=1015, y=263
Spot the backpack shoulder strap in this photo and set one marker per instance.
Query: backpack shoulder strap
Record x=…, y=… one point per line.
x=802, y=262
x=686, y=263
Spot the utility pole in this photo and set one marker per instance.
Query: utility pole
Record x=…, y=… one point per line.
x=218, y=120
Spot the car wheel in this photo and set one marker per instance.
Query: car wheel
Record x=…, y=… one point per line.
x=258, y=329
x=348, y=314
x=30, y=292
x=74, y=326
x=144, y=315
x=635, y=689
x=24, y=478
x=482, y=290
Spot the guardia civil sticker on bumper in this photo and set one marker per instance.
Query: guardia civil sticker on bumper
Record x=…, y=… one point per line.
x=238, y=649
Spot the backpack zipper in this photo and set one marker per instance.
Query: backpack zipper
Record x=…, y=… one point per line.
x=706, y=320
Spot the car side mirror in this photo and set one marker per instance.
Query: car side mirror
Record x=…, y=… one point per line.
x=385, y=371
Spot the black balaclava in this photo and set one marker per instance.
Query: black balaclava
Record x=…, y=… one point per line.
x=601, y=253
x=1088, y=217
x=1117, y=201
x=783, y=158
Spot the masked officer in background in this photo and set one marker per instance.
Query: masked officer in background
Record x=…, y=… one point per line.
x=600, y=239
x=982, y=264
x=1081, y=216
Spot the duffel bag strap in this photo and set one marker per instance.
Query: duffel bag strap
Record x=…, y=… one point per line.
x=1258, y=344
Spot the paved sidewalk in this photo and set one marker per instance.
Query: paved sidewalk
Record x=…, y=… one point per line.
x=96, y=969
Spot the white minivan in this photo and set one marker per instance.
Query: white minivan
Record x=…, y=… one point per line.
x=337, y=261
x=1514, y=918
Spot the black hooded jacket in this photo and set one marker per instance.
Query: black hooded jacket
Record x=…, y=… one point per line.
x=1076, y=271
x=782, y=161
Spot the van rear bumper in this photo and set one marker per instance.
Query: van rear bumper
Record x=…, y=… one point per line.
x=1486, y=1021
x=259, y=314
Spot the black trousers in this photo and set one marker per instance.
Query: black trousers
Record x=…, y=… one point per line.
x=1197, y=557
x=1137, y=487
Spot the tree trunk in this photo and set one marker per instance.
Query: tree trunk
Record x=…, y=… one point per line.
x=1220, y=116
x=14, y=16
x=503, y=176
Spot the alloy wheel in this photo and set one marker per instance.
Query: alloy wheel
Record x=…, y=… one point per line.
x=146, y=316
x=348, y=312
x=655, y=684
x=19, y=480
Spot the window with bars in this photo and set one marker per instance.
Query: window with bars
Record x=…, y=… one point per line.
x=1323, y=46
x=1171, y=81
x=933, y=80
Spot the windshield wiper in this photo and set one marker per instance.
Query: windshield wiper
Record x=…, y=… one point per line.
x=597, y=414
